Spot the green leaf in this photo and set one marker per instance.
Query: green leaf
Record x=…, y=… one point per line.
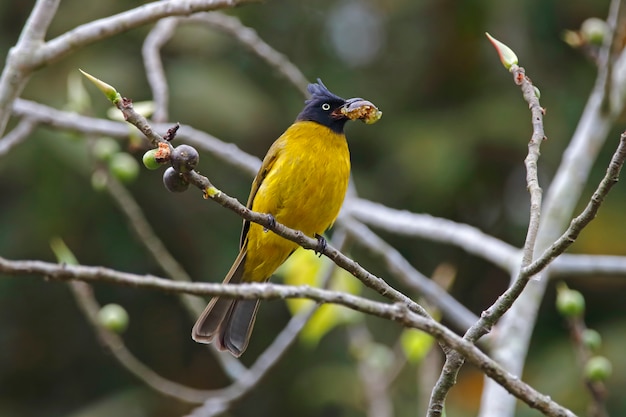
x=63, y=254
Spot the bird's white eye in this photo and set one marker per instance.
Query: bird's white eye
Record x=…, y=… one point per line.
x=325, y=106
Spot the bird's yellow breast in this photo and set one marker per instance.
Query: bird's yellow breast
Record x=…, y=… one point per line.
x=304, y=189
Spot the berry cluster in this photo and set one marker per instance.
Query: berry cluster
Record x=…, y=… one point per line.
x=570, y=304
x=183, y=159
x=119, y=164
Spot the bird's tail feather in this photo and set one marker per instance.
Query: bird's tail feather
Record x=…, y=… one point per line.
x=226, y=320
x=234, y=335
x=209, y=322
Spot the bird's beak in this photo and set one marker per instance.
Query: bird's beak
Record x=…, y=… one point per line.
x=360, y=109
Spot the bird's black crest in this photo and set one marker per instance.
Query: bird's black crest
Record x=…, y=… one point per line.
x=319, y=91
x=321, y=105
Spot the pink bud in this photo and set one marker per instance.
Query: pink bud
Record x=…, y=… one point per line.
x=507, y=56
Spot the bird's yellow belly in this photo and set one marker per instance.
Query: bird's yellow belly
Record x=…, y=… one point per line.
x=304, y=190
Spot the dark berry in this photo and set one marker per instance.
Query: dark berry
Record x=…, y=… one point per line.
x=184, y=158
x=174, y=181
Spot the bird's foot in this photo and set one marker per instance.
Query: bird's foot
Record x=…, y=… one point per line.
x=271, y=220
x=321, y=244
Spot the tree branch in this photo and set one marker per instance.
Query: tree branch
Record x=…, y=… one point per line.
x=454, y=361
x=576, y=265
x=398, y=312
x=107, y=27
x=452, y=310
x=19, y=133
x=436, y=229
x=511, y=341
x=15, y=73
x=151, y=52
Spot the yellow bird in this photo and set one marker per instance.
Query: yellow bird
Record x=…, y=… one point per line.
x=301, y=184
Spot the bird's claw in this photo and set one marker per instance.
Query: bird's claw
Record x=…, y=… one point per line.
x=272, y=222
x=321, y=245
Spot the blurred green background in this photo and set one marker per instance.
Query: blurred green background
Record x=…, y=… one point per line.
x=451, y=144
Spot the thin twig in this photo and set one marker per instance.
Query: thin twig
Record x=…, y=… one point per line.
x=251, y=40
x=597, y=389
x=154, y=245
x=536, y=111
x=163, y=32
x=90, y=307
x=607, y=55
x=430, y=366
x=19, y=133
x=151, y=52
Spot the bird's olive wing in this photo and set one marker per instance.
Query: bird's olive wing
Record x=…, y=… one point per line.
x=268, y=162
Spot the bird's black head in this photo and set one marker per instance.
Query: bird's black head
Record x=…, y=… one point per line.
x=324, y=108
